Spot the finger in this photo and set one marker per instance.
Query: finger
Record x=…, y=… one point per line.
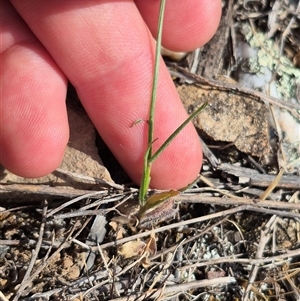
x=107, y=53
x=188, y=24
x=33, y=122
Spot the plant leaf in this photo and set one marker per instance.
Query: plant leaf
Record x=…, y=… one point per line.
x=156, y=199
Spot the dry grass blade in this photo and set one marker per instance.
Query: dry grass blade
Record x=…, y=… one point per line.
x=90, y=179
x=230, y=201
x=167, y=292
x=264, y=239
x=27, y=279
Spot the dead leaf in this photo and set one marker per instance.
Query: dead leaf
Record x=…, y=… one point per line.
x=120, y=233
x=114, y=225
x=162, y=212
x=118, y=228
x=156, y=200
x=150, y=249
x=151, y=244
x=132, y=249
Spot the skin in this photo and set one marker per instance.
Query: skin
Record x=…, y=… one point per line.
x=106, y=50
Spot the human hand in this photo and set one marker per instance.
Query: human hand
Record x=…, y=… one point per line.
x=104, y=48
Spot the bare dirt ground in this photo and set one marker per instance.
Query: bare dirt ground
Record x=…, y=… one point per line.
x=234, y=235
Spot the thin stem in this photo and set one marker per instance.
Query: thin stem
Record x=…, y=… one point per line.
x=156, y=73
x=147, y=164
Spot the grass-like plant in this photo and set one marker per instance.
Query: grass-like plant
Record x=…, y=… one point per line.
x=145, y=202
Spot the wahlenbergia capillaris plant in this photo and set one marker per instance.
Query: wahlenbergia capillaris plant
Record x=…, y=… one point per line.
x=155, y=200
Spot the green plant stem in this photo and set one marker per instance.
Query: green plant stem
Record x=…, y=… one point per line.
x=145, y=183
